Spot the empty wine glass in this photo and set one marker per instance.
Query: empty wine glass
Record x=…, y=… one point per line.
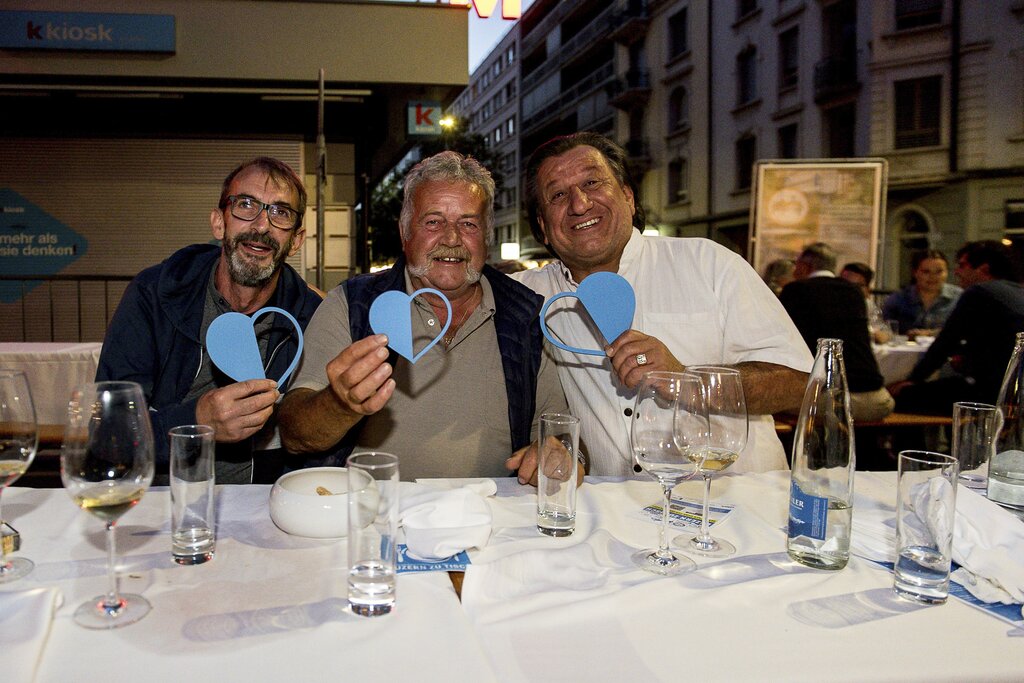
x=727, y=417
x=19, y=438
x=106, y=465
x=669, y=434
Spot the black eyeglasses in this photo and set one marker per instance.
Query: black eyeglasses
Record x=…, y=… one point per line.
x=246, y=208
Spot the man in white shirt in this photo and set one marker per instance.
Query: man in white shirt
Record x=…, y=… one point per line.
x=697, y=303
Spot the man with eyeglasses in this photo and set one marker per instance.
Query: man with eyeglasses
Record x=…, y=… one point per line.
x=697, y=302
x=463, y=407
x=157, y=335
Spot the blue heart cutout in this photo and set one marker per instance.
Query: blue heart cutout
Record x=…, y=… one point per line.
x=231, y=343
x=609, y=300
x=390, y=314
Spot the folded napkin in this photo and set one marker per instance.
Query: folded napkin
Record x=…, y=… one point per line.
x=25, y=618
x=988, y=544
x=440, y=523
x=988, y=541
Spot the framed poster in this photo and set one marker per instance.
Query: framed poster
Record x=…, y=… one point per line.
x=837, y=201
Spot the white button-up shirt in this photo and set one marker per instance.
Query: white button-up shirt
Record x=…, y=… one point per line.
x=705, y=303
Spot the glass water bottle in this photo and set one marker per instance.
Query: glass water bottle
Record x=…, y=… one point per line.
x=821, y=484
x=1006, y=469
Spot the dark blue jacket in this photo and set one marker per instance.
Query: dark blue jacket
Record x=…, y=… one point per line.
x=153, y=338
x=520, y=341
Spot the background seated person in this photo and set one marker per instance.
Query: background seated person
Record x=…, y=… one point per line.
x=921, y=308
x=861, y=275
x=824, y=306
x=978, y=336
x=471, y=400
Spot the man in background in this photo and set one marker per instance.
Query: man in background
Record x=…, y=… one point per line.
x=977, y=338
x=825, y=306
x=157, y=335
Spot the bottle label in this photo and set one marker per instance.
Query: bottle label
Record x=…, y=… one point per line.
x=808, y=515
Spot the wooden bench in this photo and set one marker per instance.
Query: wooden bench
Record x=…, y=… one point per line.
x=878, y=442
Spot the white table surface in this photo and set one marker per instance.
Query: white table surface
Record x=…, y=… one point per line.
x=53, y=370
x=897, y=362
x=268, y=607
x=758, y=616
x=271, y=607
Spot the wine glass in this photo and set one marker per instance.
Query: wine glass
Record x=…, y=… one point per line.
x=668, y=433
x=19, y=438
x=106, y=465
x=727, y=417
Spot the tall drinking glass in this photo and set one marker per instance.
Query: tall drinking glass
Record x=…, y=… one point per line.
x=106, y=465
x=668, y=433
x=727, y=416
x=19, y=438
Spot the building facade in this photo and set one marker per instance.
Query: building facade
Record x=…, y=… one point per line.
x=698, y=91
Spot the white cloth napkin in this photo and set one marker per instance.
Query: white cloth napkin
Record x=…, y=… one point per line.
x=25, y=619
x=441, y=523
x=988, y=542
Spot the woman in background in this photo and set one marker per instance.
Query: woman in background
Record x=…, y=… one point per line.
x=921, y=308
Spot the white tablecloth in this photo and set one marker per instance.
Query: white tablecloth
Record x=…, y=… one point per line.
x=757, y=616
x=53, y=370
x=269, y=607
x=897, y=362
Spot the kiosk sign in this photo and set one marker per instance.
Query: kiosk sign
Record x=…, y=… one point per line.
x=32, y=242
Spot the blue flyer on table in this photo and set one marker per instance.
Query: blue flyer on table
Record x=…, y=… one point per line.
x=410, y=563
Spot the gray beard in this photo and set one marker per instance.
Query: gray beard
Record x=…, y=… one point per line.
x=248, y=274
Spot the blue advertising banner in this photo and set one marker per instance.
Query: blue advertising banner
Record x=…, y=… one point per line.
x=32, y=242
x=28, y=30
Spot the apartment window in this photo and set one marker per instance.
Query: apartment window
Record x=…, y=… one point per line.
x=745, y=7
x=746, y=155
x=678, y=109
x=510, y=90
x=787, y=142
x=496, y=69
x=746, y=69
x=840, y=131
x=789, y=57
x=677, y=34
x=917, y=104
x=497, y=135
x=915, y=13
x=678, y=180
x=510, y=55
x=510, y=126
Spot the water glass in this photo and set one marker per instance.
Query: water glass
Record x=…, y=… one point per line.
x=925, y=515
x=372, y=530
x=974, y=432
x=193, y=539
x=557, y=448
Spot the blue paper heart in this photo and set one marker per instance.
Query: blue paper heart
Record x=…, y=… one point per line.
x=609, y=300
x=231, y=343
x=390, y=314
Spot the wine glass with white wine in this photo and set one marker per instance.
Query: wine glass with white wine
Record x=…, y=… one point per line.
x=106, y=465
x=727, y=417
x=19, y=438
x=668, y=432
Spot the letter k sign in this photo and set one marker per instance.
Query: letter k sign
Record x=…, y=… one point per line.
x=423, y=115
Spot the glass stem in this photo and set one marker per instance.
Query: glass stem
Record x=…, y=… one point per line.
x=705, y=535
x=663, y=532
x=112, y=603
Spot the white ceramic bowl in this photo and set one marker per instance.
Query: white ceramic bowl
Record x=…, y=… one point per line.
x=297, y=508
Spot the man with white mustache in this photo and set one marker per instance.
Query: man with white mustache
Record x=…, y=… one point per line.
x=697, y=302
x=473, y=398
x=157, y=335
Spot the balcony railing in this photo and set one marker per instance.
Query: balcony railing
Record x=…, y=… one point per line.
x=600, y=26
x=599, y=78
x=631, y=91
x=630, y=24
x=834, y=77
